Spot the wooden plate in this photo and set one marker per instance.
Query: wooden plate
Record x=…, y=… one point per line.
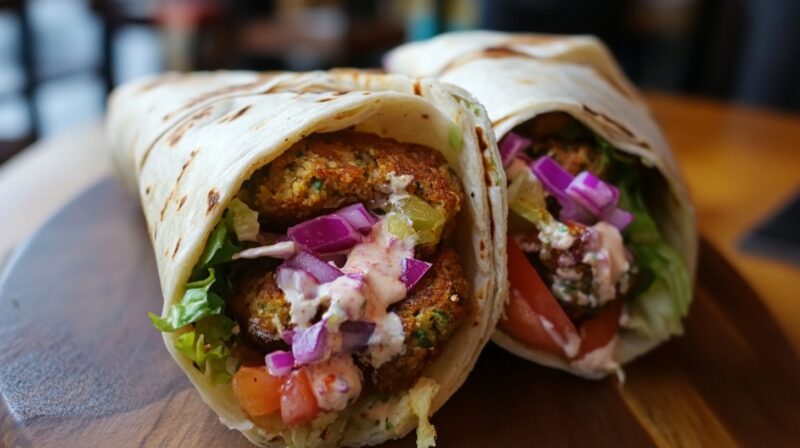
x=80, y=364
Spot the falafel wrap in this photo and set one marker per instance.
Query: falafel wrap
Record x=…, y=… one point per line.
x=602, y=240
x=326, y=244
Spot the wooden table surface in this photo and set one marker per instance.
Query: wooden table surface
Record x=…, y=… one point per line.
x=740, y=164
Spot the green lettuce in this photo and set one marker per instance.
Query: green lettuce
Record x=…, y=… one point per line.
x=664, y=292
x=455, y=138
x=207, y=346
x=243, y=220
x=207, y=341
x=220, y=246
x=197, y=302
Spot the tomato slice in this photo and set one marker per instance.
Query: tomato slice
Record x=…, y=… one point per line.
x=524, y=325
x=599, y=330
x=531, y=301
x=298, y=403
x=257, y=391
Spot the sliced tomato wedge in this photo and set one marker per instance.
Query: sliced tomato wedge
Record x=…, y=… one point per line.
x=530, y=303
x=258, y=392
x=298, y=403
x=600, y=329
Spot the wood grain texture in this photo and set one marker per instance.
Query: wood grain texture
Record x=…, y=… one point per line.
x=81, y=366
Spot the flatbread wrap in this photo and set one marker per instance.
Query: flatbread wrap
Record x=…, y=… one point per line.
x=602, y=234
x=326, y=244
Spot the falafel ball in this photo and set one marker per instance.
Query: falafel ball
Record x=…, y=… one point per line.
x=430, y=314
x=324, y=172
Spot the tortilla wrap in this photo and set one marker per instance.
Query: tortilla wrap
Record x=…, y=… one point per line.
x=518, y=77
x=185, y=143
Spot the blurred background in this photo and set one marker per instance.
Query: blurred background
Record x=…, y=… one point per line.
x=59, y=58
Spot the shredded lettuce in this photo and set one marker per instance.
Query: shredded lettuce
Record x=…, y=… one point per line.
x=219, y=247
x=197, y=302
x=659, y=310
x=420, y=397
x=243, y=220
x=663, y=300
x=207, y=346
x=454, y=137
x=207, y=342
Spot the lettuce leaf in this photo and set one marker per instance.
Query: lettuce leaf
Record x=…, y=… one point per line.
x=659, y=310
x=207, y=346
x=207, y=342
x=197, y=302
x=219, y=247
x=662, y=302
x=243, y=221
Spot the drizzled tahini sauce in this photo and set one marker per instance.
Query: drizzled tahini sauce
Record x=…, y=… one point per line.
x=336, y=383
x=302, y=293
x=372, y=282
x=381, y=262
x=599, y=361
x=609, y=262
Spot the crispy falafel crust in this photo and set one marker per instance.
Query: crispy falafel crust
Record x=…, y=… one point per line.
x=430, y=314
x=258, y=305
x=324, y=172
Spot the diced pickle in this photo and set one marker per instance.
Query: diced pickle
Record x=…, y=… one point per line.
x=413, y=216
x=423, y=215
x=399, y=225
x=526, y=199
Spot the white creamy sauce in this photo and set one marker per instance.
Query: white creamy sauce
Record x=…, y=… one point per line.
x=398, y=184
x=609, y=262
x=387, y=340
x=564, y=289
x=380, y=260
x=336, y=383
x=570, y=344
x=527, y=243
x=372, y=282
x=599, y=360
x=347, y=299
x=555, y=235
x=301, y=291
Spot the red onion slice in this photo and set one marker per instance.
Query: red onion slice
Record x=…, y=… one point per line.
x=593, y=194
x=358, y=216
x=309, y=344
x=511, y=145
x=619, y=218
x=552, y=176
x=325, y=234
x=288, y=336
x=321, y=271
x=355, y=335
x=279, y=363
x=413, y=271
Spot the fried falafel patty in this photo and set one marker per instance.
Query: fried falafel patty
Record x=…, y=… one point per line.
x=430, y=314
x=324, y=172
x=258, y=305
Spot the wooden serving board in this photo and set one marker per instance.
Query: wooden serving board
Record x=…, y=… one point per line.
x=81, y=366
